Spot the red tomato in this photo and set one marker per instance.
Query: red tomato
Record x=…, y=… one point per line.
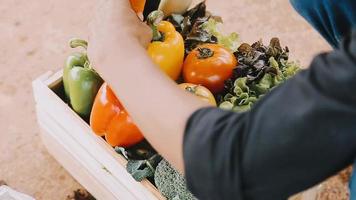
x=209, y=65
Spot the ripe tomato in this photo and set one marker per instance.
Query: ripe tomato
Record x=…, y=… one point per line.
x=200, y=91
x=209, y=65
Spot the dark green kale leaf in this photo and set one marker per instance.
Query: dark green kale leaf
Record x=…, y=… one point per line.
x=142, y=169
x=191, y=26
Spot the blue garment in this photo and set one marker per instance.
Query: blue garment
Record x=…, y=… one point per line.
x=353, y=185
x=334, y=19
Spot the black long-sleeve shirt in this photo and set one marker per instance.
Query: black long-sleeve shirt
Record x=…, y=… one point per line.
x=298, y=135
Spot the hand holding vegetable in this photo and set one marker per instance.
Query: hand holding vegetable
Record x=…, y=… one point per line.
x=117, y=28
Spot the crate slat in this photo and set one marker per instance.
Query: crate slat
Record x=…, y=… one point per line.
x=83, y=158
x=70, y=163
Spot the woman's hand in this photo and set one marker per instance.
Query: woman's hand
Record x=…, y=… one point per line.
x=116, y=27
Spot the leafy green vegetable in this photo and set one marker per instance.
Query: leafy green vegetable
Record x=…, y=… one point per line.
x=198, y=35
x=260, y=70
x=142, y=160
x=190, y=26
x=197, y=26
x=122, y=151
x=230, y=41
x=171, y=183
x=141, y=169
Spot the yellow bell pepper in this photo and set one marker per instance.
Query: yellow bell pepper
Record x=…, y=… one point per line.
x=167, y=47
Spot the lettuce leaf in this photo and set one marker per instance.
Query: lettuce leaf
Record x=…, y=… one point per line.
x=229, y=41
x=246, y=91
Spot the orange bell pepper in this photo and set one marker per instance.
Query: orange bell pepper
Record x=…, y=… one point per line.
x=138, y=5
x=110, y=119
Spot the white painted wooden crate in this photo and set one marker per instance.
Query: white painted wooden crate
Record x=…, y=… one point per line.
x=87, y=157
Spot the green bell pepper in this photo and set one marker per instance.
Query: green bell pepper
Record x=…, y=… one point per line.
x=81, y=82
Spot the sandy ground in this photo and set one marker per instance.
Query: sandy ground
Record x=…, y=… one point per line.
x=33, y=40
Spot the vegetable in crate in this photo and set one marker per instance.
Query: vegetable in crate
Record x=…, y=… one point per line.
x=189, y=25
x=81, y=82
x=171, y=183
x=138, y=5
x=202, y=92
x=229, y=41
x=260, y=69
x=142, y=169
x=167, y=48
x=110, y=119
x=198, y=26
x=209, y=65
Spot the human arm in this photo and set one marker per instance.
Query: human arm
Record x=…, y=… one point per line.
x=201, y=166
x=117, y=49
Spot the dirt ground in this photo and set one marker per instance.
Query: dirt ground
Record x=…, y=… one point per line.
x=33, y=40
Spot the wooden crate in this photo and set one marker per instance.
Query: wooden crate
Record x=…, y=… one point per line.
x=87, y=157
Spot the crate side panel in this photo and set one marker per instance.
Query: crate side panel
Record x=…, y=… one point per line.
x=81, y=132
x=103, y=176
x=74, y=168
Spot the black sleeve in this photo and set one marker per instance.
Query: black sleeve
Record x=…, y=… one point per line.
x=150, y=6
x=298, y=135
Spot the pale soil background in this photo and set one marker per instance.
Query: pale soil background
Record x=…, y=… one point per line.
x=33, y=40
